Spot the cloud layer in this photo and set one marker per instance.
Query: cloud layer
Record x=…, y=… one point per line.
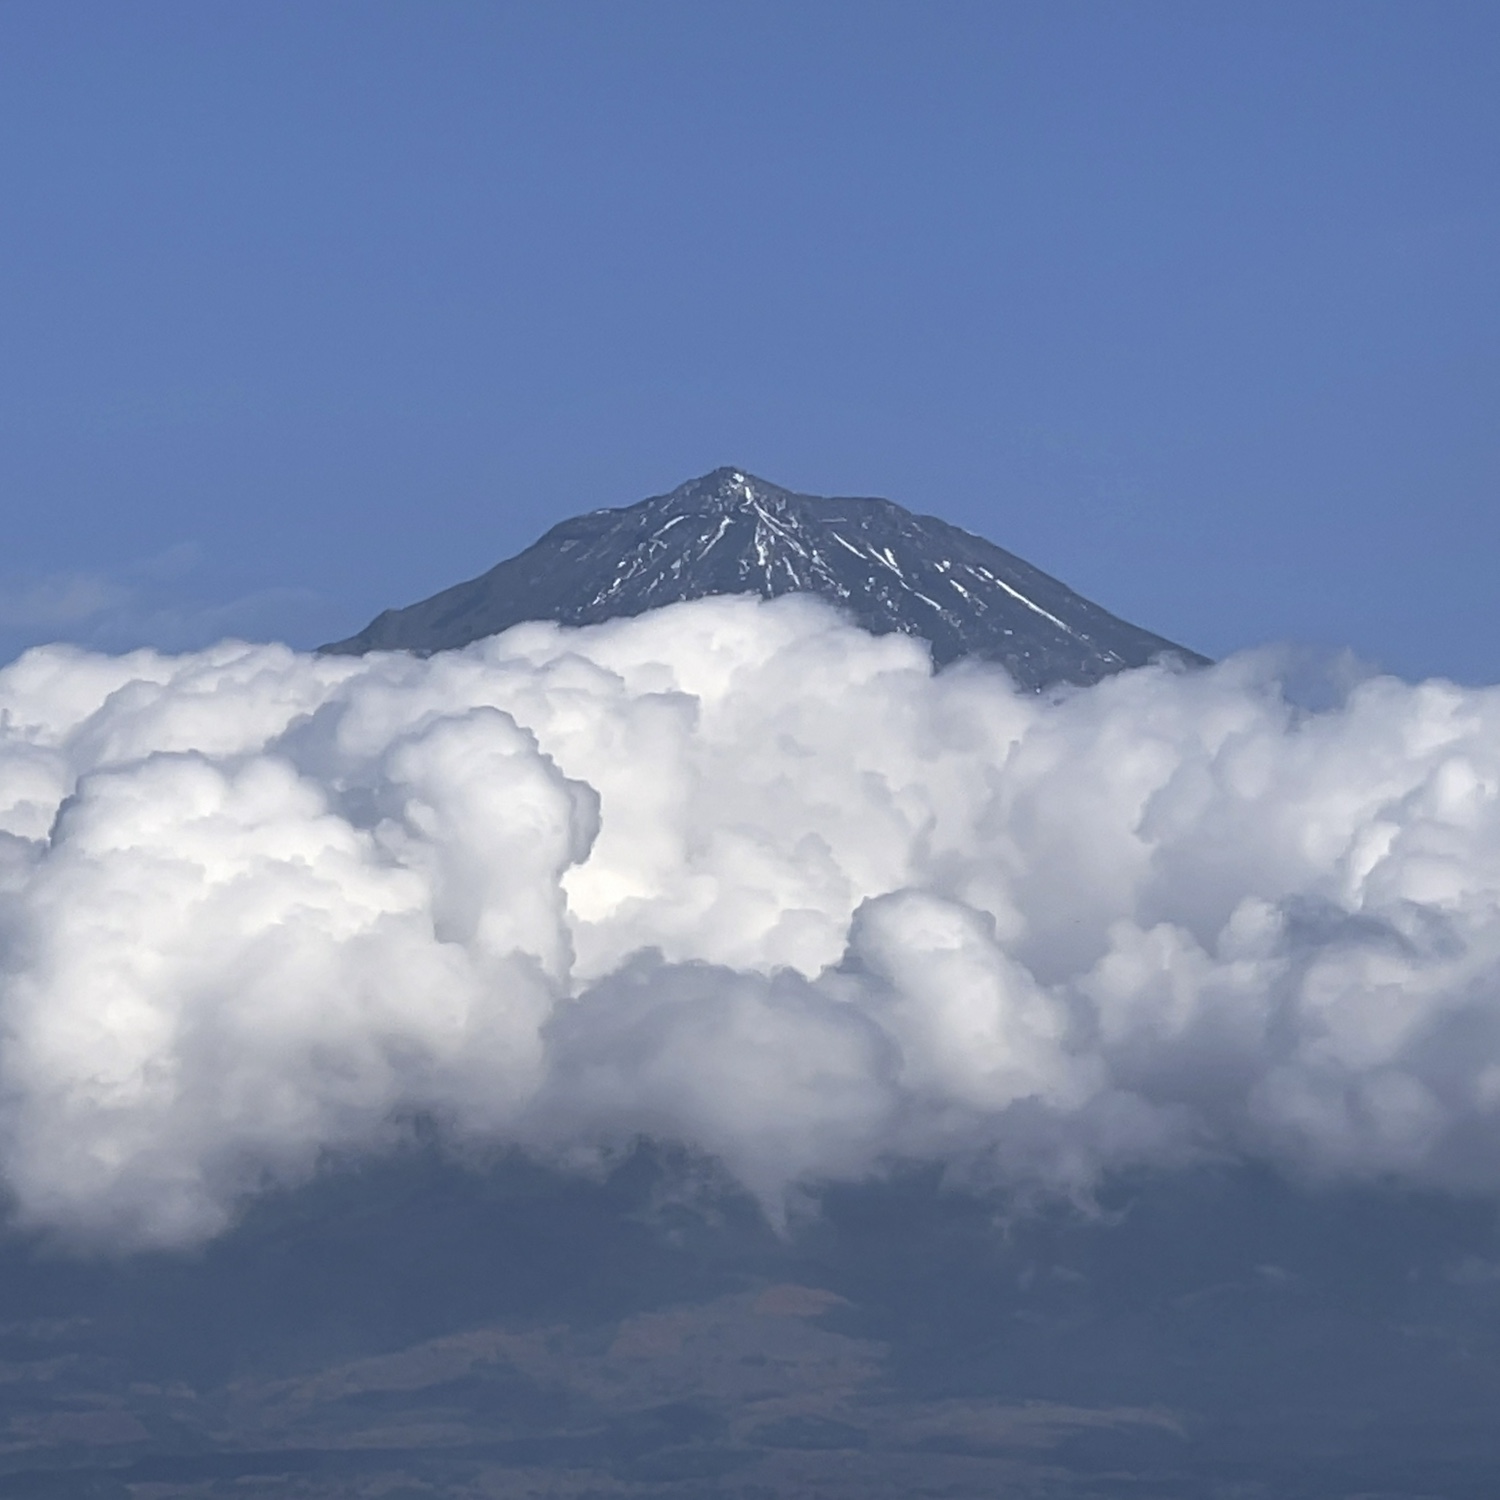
x=737, y=874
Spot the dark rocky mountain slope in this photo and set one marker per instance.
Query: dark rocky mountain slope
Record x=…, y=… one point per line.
x=731, y=533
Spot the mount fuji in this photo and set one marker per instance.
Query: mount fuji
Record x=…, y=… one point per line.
x=731, y=533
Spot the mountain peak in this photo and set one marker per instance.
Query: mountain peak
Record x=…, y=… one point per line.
x=729, y=532
x=725, y=489
x=727, y=482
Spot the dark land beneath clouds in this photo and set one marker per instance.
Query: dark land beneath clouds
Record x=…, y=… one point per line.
x=419, y=1326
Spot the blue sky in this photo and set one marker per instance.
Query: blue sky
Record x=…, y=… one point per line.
x=311, y=309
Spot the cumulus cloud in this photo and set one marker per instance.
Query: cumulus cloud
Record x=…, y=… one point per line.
x=736, y=874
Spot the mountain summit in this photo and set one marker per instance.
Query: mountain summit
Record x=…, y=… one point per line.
x=731, y=533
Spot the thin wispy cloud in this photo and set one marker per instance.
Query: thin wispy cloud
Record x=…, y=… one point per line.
x=59, y=601
x=155, y=601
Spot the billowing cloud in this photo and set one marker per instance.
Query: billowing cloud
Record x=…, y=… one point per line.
x=740, y=875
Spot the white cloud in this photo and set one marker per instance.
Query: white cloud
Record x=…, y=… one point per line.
x=738, y=874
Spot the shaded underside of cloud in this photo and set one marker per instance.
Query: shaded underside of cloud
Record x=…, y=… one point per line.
x=740, y=875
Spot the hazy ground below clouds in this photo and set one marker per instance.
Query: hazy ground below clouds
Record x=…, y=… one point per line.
x=420, y=1328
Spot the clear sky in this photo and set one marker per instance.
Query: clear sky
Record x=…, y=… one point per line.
x=311, y=309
